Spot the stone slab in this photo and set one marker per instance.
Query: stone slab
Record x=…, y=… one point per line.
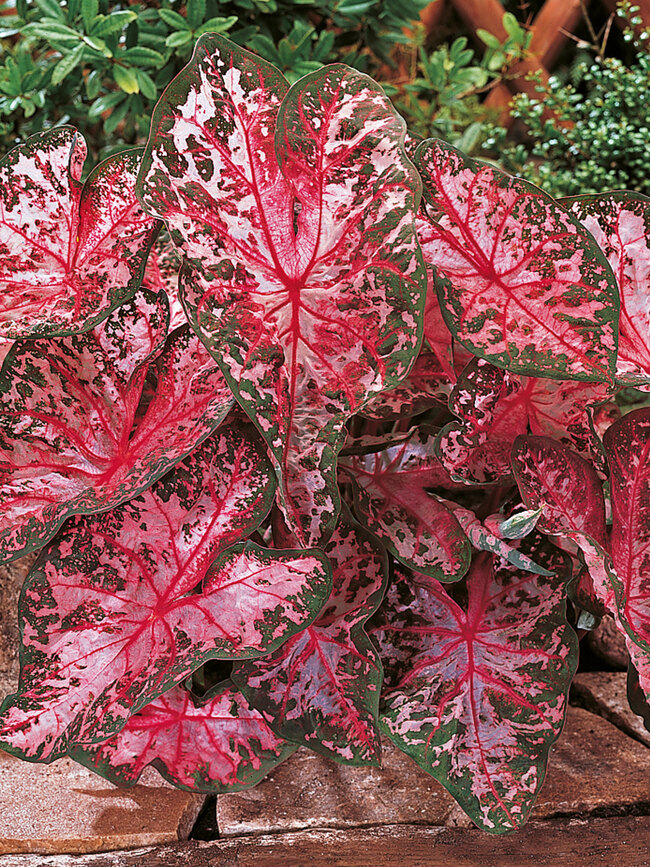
x=64, y=807
x=608, y=643
x=594, y=767
x=605, y=693
x=621, y=842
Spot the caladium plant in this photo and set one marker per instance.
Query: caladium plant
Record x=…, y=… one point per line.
x=321, y=435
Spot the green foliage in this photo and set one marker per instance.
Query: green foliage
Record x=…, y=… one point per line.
x=589, y=132
x=101, y=65
x=444, y=100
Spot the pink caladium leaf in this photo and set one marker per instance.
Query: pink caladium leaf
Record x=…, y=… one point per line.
x=295, y=210
x=494, y=407
x=216, y=744
x=123, y=606
x=620, y=223
x=567, y=489
x=521, y=282
x=161, y=275
x=477, y=694
x=69, y=252
x=74, y=435
x=427, y=385
x=627, y=445
x=392, y=500
x=321, y=688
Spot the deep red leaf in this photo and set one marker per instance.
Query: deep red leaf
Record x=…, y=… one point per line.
x=69, y=252
x=67, y=413
x=219, y=744
x=620, y=223
x=476, y=695
x=520, y=281
x=295, y=209
x=124, y=605
x=427, y=385
x=392, y=500
x=321, y=688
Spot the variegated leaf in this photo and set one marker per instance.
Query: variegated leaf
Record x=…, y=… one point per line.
x=321, y=688
x=69, y=252
x=477, y=694
x=627, y=444
x=521, y=282
x=494, y=407
x=295, y=210
x=483, y=539
x=427, y=385
x=75, y=437
x=123, y=606
x=566, y=488
x=392, y=500
x=620, y=223
x=217, y=744
x=161, y=275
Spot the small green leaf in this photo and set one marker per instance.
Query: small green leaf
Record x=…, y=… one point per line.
x=217, y=25
x=126, y=79
x=520, y=525
x=116, y=117
x=175, y=40
x=93, y=84
x=113, y=23
x=51, y=8
x=147, y=85
x=195, y=12
x=104, y=103
x=89, y=11
x=67, y=64
x=173, y=19
x=488, y=38
x=141, y=56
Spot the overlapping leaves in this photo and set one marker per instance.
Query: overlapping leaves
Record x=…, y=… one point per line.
x=69, y=252
x=295, y=211
x=75, y=437
x=124, y=606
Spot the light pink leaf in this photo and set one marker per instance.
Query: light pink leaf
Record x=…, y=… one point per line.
x=217, y=744
x=392, y=500
x=295, y=210
x=521, y=282
x=620, y=223
x=627, y=444
x=69, y=252
x=74, y=435
x=123, y=606
x=477, y=694
x=321, y=688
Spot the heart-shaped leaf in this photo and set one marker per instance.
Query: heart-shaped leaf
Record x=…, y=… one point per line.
x=427, y=385
x=111, y=615
x=476, y=695
x=620, y=223
x=521, y=282
x=68, y=408
x=220, y=744
x=69, y=252
x=321, y=688
x=295, y=210
x=161, y=275
x=391, y=499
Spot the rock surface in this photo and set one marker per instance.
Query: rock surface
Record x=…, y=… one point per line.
x=63, y=807
x=594, y=768
x=605, y=693
x=607, y=642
